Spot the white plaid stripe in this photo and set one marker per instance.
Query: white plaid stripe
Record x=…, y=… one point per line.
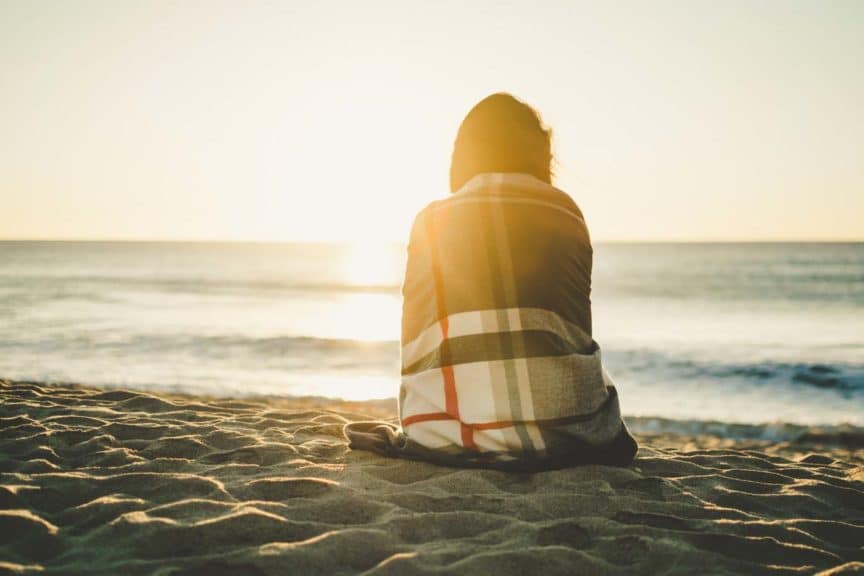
x=575, y=384
x=461, y=324
x=486, y=322
x=422, y=393
x=437, y=434
x=500, y=440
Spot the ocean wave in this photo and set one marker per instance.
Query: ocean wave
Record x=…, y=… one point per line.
x=638, y=365
x=54, y=287
x=841, y=435
x=840, y=376
x=216, y=345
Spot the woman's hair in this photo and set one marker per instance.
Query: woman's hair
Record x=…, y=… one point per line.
x=501, y=134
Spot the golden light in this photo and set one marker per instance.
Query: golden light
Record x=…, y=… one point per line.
x=371, y=315
x=370, y=264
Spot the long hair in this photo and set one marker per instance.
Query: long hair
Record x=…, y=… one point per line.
x=501, y=134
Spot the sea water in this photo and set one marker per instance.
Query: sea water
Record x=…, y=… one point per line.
x=744, y=333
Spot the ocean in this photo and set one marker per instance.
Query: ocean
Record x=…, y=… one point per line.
x=732, y=333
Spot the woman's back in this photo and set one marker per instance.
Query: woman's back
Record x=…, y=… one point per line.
x=498, y=363
x=499, y=367
x=502, y=241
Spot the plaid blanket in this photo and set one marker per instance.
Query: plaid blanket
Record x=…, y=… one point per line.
x=499, y=366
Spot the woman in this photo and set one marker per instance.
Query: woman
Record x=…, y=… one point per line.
x=499, y=366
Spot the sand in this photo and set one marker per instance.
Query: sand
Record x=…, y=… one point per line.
x=109, y=482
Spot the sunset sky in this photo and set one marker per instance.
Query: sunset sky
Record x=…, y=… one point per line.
x=334, y=120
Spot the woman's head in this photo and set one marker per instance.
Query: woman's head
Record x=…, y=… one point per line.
x=501, y=134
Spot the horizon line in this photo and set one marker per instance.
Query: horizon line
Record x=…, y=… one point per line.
x=382, y=241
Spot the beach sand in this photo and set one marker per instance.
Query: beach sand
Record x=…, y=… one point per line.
x=123, y=482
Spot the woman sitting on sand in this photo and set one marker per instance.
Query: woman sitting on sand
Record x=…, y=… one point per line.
x=499, y=367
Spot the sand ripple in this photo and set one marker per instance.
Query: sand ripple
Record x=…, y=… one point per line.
x=125, y=482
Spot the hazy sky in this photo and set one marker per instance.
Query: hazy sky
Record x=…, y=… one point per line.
x=334, y=120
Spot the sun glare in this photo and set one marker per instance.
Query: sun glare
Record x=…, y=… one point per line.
x=372, y=315
x=370, y=264
x=369, y=317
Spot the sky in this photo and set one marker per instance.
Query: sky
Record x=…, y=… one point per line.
x=334, y=121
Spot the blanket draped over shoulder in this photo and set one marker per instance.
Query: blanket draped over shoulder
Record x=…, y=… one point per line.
x=499, y=367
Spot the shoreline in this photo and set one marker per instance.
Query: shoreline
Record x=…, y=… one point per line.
x=107, y=480
x=842, y=435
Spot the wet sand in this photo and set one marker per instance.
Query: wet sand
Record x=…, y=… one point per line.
x=105, y=482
